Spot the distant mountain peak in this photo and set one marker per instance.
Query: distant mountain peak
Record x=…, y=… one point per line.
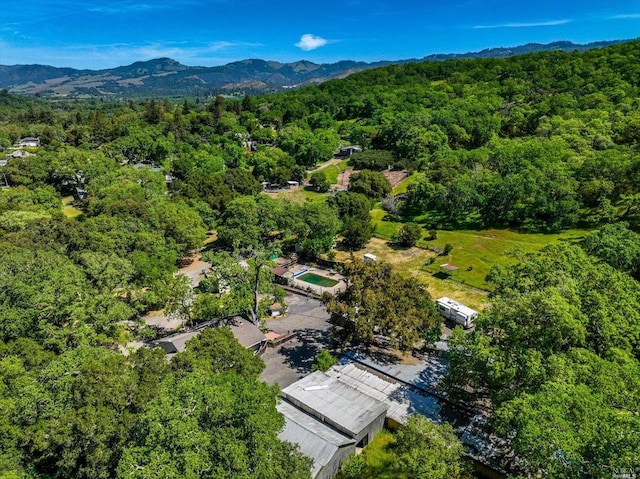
x=167, y=77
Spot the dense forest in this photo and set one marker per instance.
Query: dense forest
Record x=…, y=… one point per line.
x=539, y=142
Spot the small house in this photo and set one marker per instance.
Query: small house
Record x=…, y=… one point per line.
x=247, y=334
x=347, y=151
x=20, y=154
x=29, y=142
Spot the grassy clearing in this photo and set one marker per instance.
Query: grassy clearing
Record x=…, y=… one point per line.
x=409, y=261
x=68, y=209
x=297, y=195
x=333, y=171
x=402, y=186
x=474, y=252
x=384, y=229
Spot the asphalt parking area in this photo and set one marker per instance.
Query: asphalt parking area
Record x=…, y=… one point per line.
x=292, y=360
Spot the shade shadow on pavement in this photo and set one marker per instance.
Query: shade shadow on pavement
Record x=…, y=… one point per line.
x=301, y=356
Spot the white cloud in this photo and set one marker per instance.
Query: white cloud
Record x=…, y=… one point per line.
x=310, y=42
x=624, y=16
x=549, y=23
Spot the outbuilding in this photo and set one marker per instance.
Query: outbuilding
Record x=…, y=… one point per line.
x=247, y=334
x=348, y=151
x=327, y=447
x=29, y=142
x=339, y=405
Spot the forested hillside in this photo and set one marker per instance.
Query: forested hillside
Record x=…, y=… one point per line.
x=543, y=141
x=94, y=221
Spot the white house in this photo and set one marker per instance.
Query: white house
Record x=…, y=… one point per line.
x=29, y=141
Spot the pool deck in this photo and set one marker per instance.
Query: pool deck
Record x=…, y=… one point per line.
x=300, y=269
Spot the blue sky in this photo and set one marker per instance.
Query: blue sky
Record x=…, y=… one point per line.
x=104, y=34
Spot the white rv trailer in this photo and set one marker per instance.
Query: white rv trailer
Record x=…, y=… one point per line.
x=457, y=312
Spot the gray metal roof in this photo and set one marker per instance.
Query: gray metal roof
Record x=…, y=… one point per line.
x=401, y=400
x=335, y=402
x=315, y=439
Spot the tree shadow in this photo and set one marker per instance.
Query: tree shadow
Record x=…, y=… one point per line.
x=300, y=357
x=397, y=246
x=433, y=373
x=441, y=275
x=376, y=353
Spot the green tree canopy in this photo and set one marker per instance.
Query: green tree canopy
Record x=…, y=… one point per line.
x=372, y=184
x=557, y=356
x=379, y=302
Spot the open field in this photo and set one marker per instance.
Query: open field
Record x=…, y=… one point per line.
x=68, y=209
x=296, y=195
x=409, y=261
x=474, y=252
x=401, y=187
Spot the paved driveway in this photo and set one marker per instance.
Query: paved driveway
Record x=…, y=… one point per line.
x=287, y=363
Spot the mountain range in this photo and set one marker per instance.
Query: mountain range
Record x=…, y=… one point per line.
x=166, y=77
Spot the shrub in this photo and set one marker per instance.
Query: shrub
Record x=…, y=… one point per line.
x=319, y=182
x=408, y=235
x=353, y=467
x=324, y=360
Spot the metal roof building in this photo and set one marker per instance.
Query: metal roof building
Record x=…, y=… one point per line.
x=400, y=399
x=326, y=446
x=336, y=403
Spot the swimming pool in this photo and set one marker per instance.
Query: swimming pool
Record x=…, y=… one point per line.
x=318, y=280
x=300, y=273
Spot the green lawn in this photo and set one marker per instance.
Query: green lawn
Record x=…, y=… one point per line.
x=474, y=252
x=402, y=186
x=384, y=229
x=333, y=171
x=68, y=209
